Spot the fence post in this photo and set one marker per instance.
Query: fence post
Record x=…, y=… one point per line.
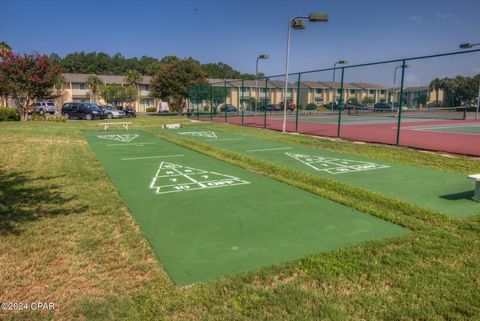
x=400, y=104
x=298, y=101
x=242, y=99
x=340, y=103
x=265, y=104
x=198, y=106
x=225, y=99
x=211, y=102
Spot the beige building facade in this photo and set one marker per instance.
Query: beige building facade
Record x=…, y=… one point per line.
x=76, y=89
x=237, y=91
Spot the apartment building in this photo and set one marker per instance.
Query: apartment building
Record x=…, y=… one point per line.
x=76, y=89
x=268, y=91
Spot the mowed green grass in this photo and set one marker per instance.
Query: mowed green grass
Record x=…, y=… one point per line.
x=66, y=237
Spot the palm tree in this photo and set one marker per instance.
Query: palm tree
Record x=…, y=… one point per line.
x=95, y=83
x=59, y=83
x=436, y=85
x=133, y=78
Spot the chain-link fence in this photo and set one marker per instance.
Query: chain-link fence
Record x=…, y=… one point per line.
x=428, y=102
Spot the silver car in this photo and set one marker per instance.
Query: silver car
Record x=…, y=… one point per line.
x=111, y=112
x=44, y=107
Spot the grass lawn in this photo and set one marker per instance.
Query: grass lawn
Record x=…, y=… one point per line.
x=67, y=238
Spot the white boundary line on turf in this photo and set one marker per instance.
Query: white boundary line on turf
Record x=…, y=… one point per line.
x=215, y=140
x=267, y=149
x=149, y=157
x=132, y=144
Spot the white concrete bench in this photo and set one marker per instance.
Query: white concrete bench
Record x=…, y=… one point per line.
x=476, y=178
x=106, y=125
x=172, y=126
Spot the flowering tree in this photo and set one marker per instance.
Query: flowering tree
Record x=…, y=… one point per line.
x=26, y=78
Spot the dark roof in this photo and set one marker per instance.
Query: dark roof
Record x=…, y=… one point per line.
x=108, y=79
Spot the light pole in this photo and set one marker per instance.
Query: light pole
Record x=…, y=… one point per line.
x=395, y=79
x=340, y=62
x=468, y=46
x=256, y=80
x=293, y=23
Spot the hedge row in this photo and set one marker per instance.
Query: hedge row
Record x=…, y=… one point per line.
x=9, y=114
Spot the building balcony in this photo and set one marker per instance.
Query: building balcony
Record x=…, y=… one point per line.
x=80, y=92
x=145, y=93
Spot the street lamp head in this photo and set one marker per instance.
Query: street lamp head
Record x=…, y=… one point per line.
x=342, y=62
x=264, y=56
x=318, y=17
x=298, y=25
x=466, y=45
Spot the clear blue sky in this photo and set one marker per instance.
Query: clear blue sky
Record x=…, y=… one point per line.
x=235, y=32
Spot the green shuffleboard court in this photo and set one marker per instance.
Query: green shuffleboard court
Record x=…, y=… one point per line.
x=206, y=219
x=443, y=192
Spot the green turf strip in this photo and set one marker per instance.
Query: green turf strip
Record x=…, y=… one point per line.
x=223, y=224
x=442, y=192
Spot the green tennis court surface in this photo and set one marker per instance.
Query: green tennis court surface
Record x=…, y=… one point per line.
x=469, y=129
x=205, y=218
x=442, y=192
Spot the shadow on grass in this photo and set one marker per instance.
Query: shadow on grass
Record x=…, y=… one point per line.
x=20, y=202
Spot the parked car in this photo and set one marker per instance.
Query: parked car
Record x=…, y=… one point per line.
x=82, y=111
x=129, y=112
x=111, y=112
x=44, y=107
x=269, y=107
x=290, y=107
x=384, y=107
x=227, y=108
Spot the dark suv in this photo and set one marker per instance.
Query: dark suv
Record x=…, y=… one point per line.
x=82, y=111
x=384, y=107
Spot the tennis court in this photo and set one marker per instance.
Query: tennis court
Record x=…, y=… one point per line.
x=467, y=129
x=206, y=219
x=443, y=192
x=453, y=129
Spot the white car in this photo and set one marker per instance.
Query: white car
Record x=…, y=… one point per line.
x=111, y=112
x=44, y=107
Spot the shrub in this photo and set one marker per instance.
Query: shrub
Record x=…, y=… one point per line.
x=311, y=107
x=58, y=119
x=9, y=114
x=151, y=109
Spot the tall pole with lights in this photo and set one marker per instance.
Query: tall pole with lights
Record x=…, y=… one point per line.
x=340, y=62
x=257, y=90
x=468, y=46
x=297, y=24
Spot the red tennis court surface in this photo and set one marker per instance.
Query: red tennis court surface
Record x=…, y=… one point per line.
x=452, y=136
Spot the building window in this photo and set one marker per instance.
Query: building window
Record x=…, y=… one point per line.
x=144, y=87
x=319, y=91
x=352, y=91
x=372, y=92
x=148, y=102
x=79, y=85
